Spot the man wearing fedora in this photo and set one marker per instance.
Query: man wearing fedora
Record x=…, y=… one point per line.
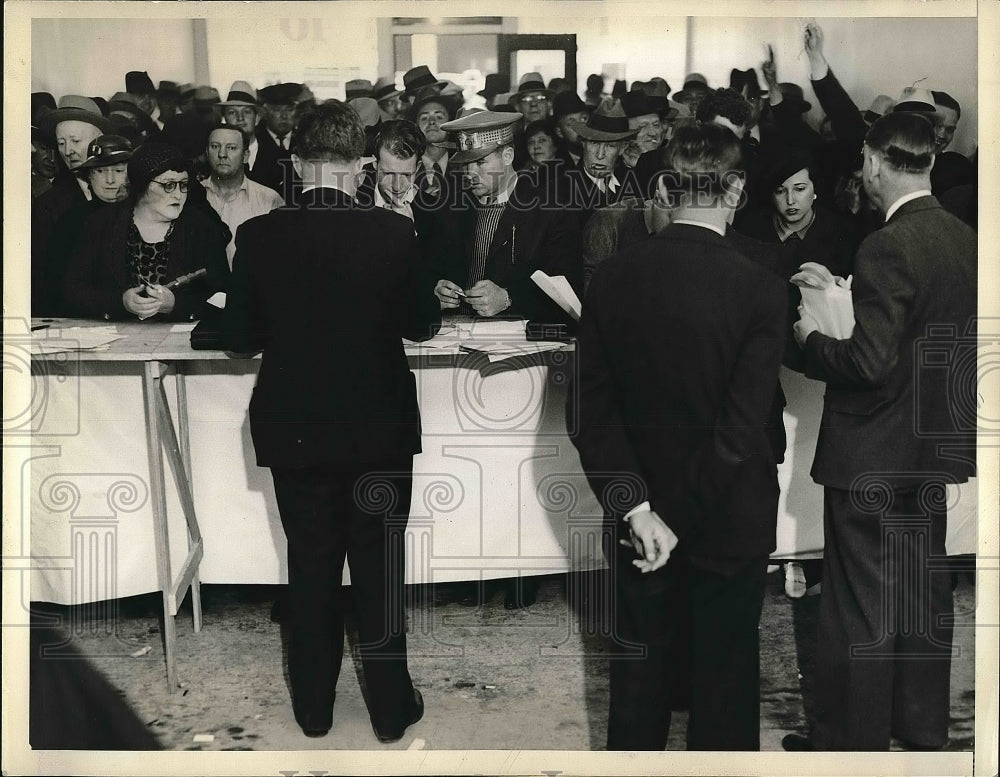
x=242, y=110
x=649, y=117
x=694, y=90
x=570, y=113
x=385, y=93
x=533, y=99
x=496, y=83
x=140, y=86
x=72, y=126
x=598, y=180
x=168, y=102
x=484, y=253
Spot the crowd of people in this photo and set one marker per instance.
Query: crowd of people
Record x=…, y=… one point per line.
x=679, y=218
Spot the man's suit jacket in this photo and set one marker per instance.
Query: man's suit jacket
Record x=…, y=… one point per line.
x=904, y=384
x=273, y=166
x=46, y=211
x=679, y=351
x=328, y=291
x=528, y=237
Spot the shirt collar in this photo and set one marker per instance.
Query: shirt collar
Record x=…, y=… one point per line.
x=209, y=183
x=611, y=182
x=504, y=196
x=382, y=202
x=905, y=199
x=277, y=140
x=429, y=163
x=716, y=229
x=785, y=231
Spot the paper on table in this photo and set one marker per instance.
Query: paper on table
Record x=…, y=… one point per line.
x=489, y=330
x=498, y=351
x=185, y=327
x=94, y=338
x=558, y=288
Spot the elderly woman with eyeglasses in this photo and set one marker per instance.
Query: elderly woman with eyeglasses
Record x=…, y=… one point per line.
x=131, y=255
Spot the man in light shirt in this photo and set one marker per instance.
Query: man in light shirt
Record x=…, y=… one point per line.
x=234, y=196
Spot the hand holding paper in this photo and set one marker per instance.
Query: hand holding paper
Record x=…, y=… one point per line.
x=826, y=302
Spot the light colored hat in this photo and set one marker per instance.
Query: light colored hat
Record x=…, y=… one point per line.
x=880, y=106
x=480, y=133
x=358, y=87
x=75, y=107
x=915, y=100
x=241, y=93
x=367, y=109
x=529, y=83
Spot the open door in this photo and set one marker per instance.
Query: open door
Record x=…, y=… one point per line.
x=554, y=56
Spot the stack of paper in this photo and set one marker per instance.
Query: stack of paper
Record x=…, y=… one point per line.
x=826, y=298
x=500, y=350
x=90, y=338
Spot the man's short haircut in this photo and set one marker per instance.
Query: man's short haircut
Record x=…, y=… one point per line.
x=231, y=128
x=727, y=103
x=905, y=140
x=401, y=138
x=703, y=159
x=945, y=100
x=331, y=133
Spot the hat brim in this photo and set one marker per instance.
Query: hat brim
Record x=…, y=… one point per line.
x=472, y=154
x=111, y=159
x=238, y=104
x=914, y=106
x=52, y=119
x=448, y=101
x=684, y=94
x=383, y=98
x=411, y=92
x=587, y=133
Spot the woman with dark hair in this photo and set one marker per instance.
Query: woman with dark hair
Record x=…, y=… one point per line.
x=542, y=144
x=130, y=254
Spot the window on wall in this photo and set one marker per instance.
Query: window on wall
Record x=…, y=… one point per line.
x=458, y=49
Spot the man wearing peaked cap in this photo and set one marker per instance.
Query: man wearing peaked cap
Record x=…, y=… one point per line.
x=597, y=180
x=486, y=250
x=532, y=98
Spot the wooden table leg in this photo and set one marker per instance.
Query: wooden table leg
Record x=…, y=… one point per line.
x=185, y=450
x=154, y=451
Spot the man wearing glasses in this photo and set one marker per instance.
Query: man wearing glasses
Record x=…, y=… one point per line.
x=532, y=99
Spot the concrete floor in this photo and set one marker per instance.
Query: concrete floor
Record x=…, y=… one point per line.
x=530, y=679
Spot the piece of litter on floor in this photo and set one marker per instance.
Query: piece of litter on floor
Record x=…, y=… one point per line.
x=258, y=716
x=203, y=738
x=142, y=651
x=417, y=744
x=490, y=687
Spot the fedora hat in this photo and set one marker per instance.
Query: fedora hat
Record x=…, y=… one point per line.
x=915, y=100
x=206, y=95
x=241, y=93
x=385, y=89
x=496, y=83
x=279, y=94
x=124, y=103
x=880, y=106
x=794, y=95
x=608, y=122
x=169, y=88
x=107, y=150
x=358, y=87
x=566, y=103
x=420, y=77
x=738, y=79
x=480, y=133
x=367, y=110
x=693, y=82
x=74, y=107
x=640, y=104
x=139, y=82
x=529, y=82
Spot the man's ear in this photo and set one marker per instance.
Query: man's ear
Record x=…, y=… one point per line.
x=507, y=155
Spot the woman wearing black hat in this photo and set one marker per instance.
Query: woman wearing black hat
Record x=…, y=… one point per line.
x=130, y=254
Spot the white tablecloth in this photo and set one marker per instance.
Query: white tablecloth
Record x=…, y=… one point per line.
x=497, y=490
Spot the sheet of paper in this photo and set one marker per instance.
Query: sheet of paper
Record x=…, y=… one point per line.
x=95, y=338
x=185, y=327
x=218, y=299
x=832, y=308
x=559, y=289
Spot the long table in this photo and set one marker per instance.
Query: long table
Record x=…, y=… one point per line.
x=498, y=489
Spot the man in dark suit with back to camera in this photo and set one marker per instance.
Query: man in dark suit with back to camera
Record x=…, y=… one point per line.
x=899, y=424
x=680, y=345
x=327, y=291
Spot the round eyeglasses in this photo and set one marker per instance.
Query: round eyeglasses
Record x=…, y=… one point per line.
x=169, y=186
